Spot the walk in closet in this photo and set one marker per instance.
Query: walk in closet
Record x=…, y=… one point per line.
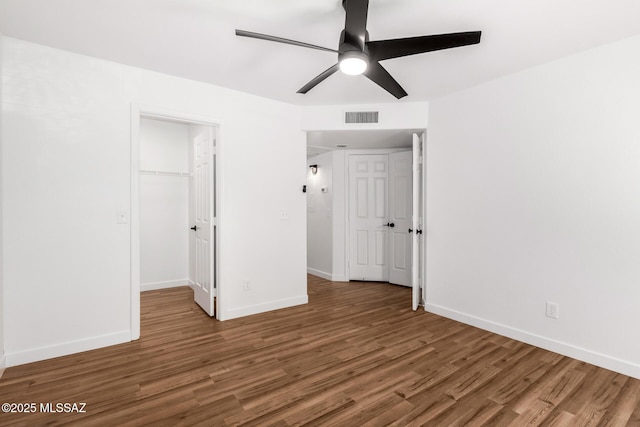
x=165, y=171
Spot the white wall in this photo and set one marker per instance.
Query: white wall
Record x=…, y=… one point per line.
x=395, y=115
x=67, y=159
x=339, y=216
x=532, y=196
x=327, y=216
x=2, y=301
x=320, y=216
x=164, y=205
x=164, y=145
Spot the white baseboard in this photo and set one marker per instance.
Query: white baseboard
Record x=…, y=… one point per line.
x=585, y=355
x=327, y=276
x=319, y=273
x=163, y=285
x=64, y=349
x=261, y=308
x=191, y=284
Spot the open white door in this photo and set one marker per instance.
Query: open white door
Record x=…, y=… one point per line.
x=422, y=236
x=415, y=226
x=203, y=175
x=368, y=217
x=400, y=216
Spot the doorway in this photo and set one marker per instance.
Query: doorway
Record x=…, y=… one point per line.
x=332, y=245
x=174, y=232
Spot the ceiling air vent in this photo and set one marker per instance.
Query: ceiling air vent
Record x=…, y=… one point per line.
x=361, y=117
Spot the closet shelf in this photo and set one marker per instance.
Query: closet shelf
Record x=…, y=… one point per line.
x=165, y=173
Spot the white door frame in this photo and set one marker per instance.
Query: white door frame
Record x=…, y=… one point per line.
x=139, y=111
x=423, y=221
x=415, y=224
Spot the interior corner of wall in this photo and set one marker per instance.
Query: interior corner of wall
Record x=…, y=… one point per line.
x=3, y=364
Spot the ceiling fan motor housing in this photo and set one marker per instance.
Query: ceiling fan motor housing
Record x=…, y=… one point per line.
x=349, y=48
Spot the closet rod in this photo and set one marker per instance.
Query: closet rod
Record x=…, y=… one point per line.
x=165, y=173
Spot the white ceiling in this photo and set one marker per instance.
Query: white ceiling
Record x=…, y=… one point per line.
x=195, y=39
x=319, y=142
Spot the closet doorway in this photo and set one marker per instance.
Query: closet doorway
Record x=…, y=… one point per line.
x=174, y=230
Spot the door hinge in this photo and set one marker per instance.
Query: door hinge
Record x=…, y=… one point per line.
x=215, y=221
x=420, y=160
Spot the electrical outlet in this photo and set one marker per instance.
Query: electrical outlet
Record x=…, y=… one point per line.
x=246, y=285
x=552, y=309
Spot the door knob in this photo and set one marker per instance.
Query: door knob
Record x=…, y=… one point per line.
x=389, y=224
x=194, y=228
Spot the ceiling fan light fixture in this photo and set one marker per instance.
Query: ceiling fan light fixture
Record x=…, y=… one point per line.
x=353, y=63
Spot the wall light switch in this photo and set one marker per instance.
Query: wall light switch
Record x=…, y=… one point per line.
x=123, y=216
x=284, y=215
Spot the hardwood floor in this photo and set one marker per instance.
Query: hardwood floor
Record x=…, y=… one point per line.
x=356, y=355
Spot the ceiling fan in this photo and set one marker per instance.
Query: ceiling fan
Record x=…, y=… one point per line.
x=358, y=55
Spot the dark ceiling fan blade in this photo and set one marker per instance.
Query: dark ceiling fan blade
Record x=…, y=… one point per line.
x=243, y=33
x=318, y=79
x=387, y=49
x=377, y=74
x=355, y=26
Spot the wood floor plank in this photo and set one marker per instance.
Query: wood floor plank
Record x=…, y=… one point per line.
x=549, y=381
x=534, y=415
x=473, y=412
x=427, y=407
x=472, y=380
x=364, y=412
x=619, y=413
x=428, y=380
x=356, y=355
x=562, y=419
x=592, y=412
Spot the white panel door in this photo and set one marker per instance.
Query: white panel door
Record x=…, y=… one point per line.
x=368, y=216
x=203, y=175
x=400, y=216
x=416, y=226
